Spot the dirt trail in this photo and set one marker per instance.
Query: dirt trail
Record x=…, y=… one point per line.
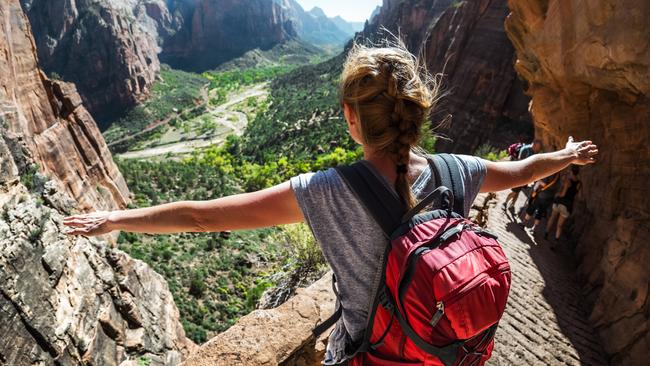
x=222, y=114
x=544, y=323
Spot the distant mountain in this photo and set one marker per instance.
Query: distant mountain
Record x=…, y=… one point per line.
x=315, y=27
x=349, y=27
x=220, y=30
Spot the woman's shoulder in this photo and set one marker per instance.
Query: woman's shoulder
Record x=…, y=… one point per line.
x=320, y=179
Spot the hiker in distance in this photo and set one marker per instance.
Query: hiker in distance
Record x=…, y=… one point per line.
x=386, y=95
x=520, y=151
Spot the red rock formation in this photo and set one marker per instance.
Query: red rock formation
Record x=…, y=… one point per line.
x=108, y=49
x=587, y=66
x=465, y=41
x=66, y=300
x=279, y=336
x=50, y=118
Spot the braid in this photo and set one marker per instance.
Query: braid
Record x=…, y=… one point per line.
x=392, y=96
x=405, y=138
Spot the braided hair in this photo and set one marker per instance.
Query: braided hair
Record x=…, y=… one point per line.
x=392, y=96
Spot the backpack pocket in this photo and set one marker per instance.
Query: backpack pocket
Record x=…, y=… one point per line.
x=479, y=303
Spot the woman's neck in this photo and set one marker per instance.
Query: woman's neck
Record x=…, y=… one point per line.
x=385, y=164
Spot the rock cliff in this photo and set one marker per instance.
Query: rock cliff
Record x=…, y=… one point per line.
x=215, y=31
x=280, y=336
x=66, y=300
x=49, y=117
x=107, y=48
x=466, y=42
x=587, y=66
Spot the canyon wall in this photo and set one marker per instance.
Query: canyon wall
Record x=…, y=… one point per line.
x=107, y=48
x=465, y=41
x=587, y=66
x=66, y=300
x=220, y=30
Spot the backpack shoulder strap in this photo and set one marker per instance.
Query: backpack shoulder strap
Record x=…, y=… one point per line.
x=447, y=173
x=386, y=210
x=382, y=204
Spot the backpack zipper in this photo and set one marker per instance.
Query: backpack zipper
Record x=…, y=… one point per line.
x=440, y=305
x=455, y=295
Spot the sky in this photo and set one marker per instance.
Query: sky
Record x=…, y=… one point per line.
x=350, y=10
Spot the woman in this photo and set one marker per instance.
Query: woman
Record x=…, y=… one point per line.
x=386, y=96
x=540, y=200
x=563, y=202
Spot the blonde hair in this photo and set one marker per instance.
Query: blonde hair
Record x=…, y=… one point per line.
x=392, y=96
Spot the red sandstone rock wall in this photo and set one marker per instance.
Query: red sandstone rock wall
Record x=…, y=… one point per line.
x=51, y=120
x=66, y=300
x=108, y=49
x=465, y=41
x=587, y=64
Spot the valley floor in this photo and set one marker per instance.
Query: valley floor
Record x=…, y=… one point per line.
x=227, y=119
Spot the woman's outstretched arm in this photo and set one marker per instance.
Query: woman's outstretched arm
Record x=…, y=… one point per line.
x=508, y=174
x=272, y=206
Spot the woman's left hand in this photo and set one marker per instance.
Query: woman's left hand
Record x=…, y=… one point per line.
x=584, y=152
x=90, y=224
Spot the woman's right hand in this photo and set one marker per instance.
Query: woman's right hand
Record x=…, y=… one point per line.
x=90, y=224
x=584, y=152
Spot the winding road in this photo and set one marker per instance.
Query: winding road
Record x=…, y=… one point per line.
x=234, y=121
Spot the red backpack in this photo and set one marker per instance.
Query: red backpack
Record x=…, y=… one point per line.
x=443, y=283
x=513, y=150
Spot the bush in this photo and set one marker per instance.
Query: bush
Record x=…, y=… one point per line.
x=301, y=247
x=488, y=152
x=197, y=284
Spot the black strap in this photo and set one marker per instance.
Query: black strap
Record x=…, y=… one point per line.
x=380, y=202
x=327, y=323
x=449, y=171
x=387, y=210
x=442, y=191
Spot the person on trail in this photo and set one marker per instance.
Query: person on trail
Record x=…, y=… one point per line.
x=563, y=201
x=386, y=96
x=540, y=200
x=525, y=151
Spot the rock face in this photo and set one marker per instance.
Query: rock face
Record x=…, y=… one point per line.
x=66, y=300
x=215, y=31
x=587, y=66
x=48, y=116
x=280, y=336
x=466, y=42
x=71, y=301
x=107, y=48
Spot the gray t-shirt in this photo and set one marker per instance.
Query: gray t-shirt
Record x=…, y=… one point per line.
x=352, y=242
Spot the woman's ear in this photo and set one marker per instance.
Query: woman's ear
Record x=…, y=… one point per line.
x=353, y=123
x=350, y=116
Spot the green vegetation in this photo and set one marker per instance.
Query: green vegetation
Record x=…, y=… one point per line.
x=175, y=91
x=144, y=361
x=303, y=119
x=30, y=177
x=224, y=82
x=216, y=280
x=488, y=152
